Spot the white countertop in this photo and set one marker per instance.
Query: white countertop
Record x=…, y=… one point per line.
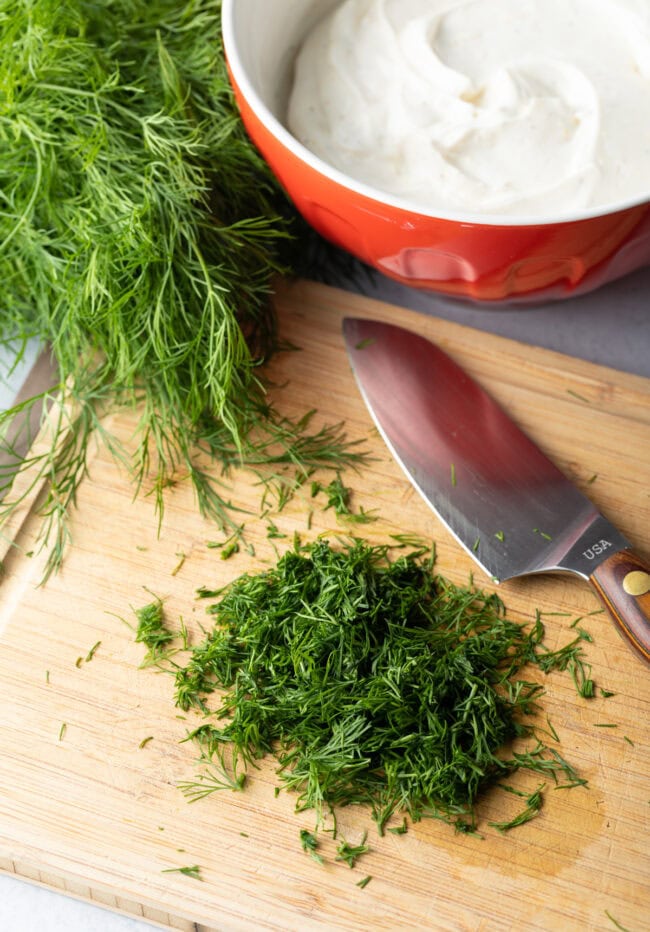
x=610, y=327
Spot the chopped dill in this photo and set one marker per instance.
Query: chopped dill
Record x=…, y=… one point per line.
x=364, y=882
x=584, y=685
x=536, y=530
x=419, y=546
x=182, y=557
x=629, y=740
x=372, y=681
x=568, y=658
x=151, y=630
x=338, y=498
x=62, y=731
x=203, y=592
x=93, y=650
x=309, y=842
x=183, y=634
x=552, y=730
x=577, y=395
x=361, y=516
x=531, y=809
x=399, y=829
x=350, y=853
x=595, y=611
x=230, y=545
x=615, y=922
x=500, y=535
x=145, y=741
x=547, y=762
x=193, y=871
x=229, y=549
x=214, y=778
x=272, y=531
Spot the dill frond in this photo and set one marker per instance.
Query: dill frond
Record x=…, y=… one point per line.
x=140, y=232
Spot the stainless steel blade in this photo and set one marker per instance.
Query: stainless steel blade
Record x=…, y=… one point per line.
x=502, y=498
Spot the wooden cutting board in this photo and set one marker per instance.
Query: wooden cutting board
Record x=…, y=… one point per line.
x=86, y=809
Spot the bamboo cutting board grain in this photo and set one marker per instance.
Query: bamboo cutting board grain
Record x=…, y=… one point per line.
x=86, y=809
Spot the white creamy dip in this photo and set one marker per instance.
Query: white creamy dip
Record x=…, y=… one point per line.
x=519, y=107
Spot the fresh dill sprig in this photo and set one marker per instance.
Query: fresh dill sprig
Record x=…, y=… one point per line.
x=140, y=233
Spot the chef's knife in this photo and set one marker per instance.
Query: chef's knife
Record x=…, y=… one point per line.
x=507, y=504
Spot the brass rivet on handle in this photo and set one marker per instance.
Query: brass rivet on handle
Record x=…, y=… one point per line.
x=637, y=583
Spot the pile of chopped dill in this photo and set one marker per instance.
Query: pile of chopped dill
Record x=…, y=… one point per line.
x=140, y=233
x=372, y=680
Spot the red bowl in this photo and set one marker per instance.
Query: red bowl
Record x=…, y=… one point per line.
x=484, y=259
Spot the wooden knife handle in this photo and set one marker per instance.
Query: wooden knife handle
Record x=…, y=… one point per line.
x=623, y=584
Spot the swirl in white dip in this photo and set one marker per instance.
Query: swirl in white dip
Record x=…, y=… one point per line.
x=515, y=107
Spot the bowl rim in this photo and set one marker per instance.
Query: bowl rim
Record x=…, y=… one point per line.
x=271, y=122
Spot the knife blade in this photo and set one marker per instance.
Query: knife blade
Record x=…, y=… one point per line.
x=501, y=497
